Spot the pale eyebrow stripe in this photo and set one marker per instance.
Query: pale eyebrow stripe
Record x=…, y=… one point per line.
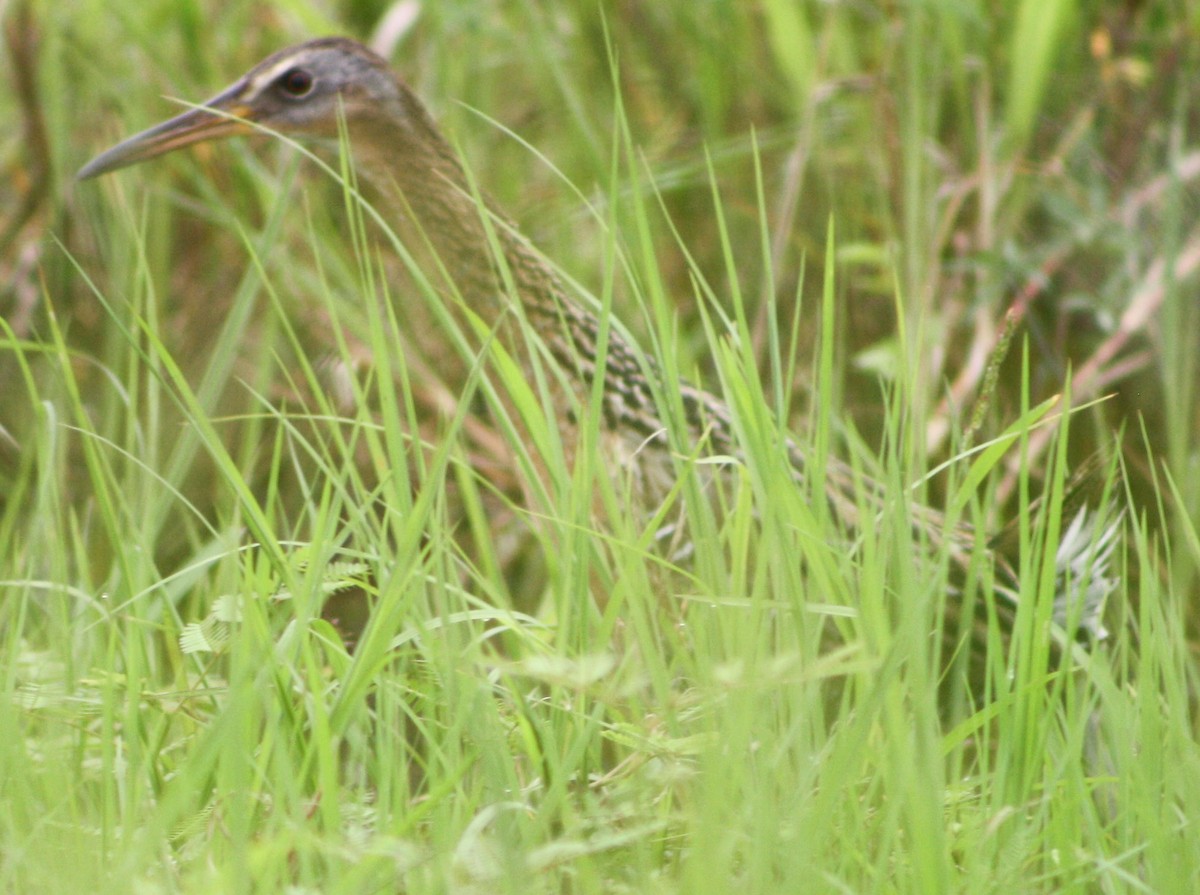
x=266, y=77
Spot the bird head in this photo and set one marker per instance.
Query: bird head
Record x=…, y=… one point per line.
x=303, y=91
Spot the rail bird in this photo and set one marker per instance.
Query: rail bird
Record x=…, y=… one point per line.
x=332, y=89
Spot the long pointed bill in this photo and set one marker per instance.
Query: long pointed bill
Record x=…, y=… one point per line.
x=193, y=126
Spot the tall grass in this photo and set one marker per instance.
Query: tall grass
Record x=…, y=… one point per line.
x=232, y=400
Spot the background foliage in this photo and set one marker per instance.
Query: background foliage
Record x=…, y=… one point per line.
x=190, y=369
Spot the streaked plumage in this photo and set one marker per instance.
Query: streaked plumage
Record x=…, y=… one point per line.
x=397, y=147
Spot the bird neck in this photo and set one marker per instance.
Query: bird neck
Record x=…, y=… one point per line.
x=476, y=253
x=472, y=249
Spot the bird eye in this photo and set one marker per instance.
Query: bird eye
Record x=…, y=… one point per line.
x=296, y=82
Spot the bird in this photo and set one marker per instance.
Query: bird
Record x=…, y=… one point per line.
x=334, y=88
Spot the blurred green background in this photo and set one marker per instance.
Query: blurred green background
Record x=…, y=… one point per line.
x=983, y=165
